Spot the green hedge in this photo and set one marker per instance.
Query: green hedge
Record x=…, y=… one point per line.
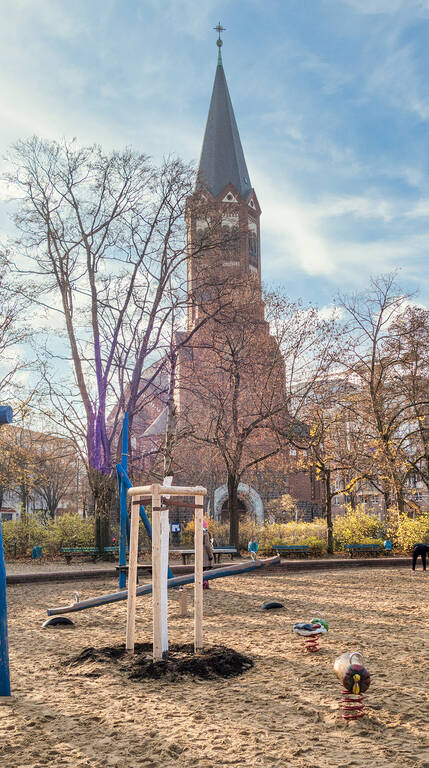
x=313, y=534
x=66, y=531
x=355, y=527
x=405, y=531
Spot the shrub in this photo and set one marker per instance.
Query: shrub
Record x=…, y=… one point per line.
x=19, y=536
x=266, y=535
x=217, y=531
x=318, y=547
x=405, y=531
x=290, y=533
x=70, y=530
x=356, y=527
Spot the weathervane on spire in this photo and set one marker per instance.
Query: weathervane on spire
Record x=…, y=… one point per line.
x=219, y=41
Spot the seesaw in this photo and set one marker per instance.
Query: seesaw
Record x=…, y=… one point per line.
x=177, y=581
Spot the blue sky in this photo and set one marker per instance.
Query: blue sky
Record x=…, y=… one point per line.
x=331, y=99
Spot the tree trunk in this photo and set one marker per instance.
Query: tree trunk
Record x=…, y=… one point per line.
x=329, y=524
x=171, y=425
x=400, y=501
x=233, y=510
x=103, y=489
x=387, y=500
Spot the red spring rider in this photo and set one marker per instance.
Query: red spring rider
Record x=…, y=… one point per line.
x=311, y=632
x=355, y=679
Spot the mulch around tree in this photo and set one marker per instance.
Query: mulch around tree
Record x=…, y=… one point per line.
x=179, y=662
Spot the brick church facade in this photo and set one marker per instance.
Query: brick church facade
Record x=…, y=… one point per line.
x=224, y=302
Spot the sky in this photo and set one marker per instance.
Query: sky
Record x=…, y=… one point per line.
x=331, y=99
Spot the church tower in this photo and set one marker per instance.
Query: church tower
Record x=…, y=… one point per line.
x=223, y=213
x=228, y=377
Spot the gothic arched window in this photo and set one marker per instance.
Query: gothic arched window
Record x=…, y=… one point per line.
x=253, y=244
x=230, y=238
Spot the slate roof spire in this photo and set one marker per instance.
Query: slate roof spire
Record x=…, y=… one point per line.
x=222, y=158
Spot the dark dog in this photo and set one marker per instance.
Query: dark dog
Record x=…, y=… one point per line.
x=420, y=549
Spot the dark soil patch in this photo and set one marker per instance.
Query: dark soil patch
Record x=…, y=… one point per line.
x=180, y=661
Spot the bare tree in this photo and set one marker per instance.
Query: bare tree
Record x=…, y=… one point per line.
x=335, y=442
x=14, y=330
x=408, y=346
x=371, y=362
x=240, y=384
x=56, y=472
x=103, y=244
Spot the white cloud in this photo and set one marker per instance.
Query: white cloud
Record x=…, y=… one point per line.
x=293, y=229
x=372, y=7
x=398, y=78
x=330, y=311
x=419, y=210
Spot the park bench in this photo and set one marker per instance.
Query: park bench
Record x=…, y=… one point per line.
x=112, y=551
x=291, y=549
x=142, y=568
x=363, y=549
x=217, y=552
x=70, y=552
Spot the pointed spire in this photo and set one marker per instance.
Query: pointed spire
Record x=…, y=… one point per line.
x=222, y=158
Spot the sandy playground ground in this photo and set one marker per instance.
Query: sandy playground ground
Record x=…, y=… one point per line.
x=283, y=712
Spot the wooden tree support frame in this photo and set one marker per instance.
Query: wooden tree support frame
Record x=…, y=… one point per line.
x=160, y=537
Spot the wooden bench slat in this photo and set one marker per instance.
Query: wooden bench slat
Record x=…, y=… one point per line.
x=302, y=549
x=352, y=548
x=217, y=551
x=68, y=552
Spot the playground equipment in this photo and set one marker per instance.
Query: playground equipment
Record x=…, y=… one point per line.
x=160, y=540
x=177, y=581
x=183, y=603
x=271, y=605
x=124, y=484
x=4, y=650
x=160, y=498
x=311, y=631
x=6, y=415
x=355, y=679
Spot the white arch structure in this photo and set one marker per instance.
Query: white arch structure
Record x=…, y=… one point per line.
x=250, y=498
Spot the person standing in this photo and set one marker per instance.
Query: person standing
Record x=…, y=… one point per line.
x=208, y=556
x=422, y=550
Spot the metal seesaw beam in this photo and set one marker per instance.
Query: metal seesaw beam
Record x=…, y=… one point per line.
x=115, y=597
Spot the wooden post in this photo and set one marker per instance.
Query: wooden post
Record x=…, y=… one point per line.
x=183, y=602
x=165, y=539
x=132, y=578
x=198, y=575
x=156, y=575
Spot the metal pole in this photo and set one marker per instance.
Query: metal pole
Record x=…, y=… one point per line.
x=77, y=485
x=143, y=516
x=6, y=415
x=123, y=515
x=4, y=652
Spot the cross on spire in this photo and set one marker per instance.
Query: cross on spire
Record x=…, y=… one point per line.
x=219, y=29
x=219, y=42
